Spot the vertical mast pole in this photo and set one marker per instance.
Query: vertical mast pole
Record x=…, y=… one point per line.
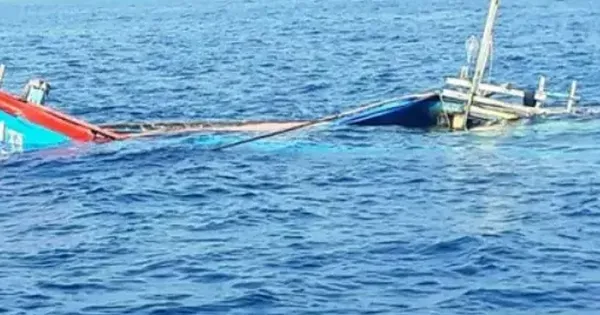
x=484, y=54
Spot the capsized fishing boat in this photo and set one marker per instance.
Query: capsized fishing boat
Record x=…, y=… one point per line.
x=465, y=102
x=27, y=123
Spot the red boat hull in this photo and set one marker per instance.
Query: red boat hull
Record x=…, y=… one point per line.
x=53, y=120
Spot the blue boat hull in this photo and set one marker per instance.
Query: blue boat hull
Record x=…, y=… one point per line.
x=411, y=112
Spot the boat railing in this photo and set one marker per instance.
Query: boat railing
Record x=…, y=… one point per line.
x=532, y=102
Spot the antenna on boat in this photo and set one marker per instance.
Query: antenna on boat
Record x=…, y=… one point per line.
x=2, y=70
x=472, y=46
x=482, y=59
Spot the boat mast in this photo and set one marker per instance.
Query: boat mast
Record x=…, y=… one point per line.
x=482, y=59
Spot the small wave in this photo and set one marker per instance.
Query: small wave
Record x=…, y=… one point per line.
x=150, y=266
x=463, y=244
x=74, y=287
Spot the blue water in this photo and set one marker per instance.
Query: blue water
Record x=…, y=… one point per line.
x=347, y=221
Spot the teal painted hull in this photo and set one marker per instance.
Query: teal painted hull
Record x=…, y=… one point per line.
x=19, y=135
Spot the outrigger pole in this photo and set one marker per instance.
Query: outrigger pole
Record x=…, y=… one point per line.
x=482, y=59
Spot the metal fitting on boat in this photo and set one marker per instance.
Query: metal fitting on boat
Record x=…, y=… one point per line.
x=529, y=98
x=36, y=91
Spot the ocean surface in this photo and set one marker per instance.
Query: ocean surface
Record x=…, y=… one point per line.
x=345, y=221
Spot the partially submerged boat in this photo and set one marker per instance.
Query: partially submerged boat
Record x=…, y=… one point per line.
x=28, y=124
x=463, y=103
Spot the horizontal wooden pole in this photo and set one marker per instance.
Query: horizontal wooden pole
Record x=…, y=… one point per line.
x=517, y=109
x=492, y=88
x=482, y=112
x=486, y=87
x=514, y=109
